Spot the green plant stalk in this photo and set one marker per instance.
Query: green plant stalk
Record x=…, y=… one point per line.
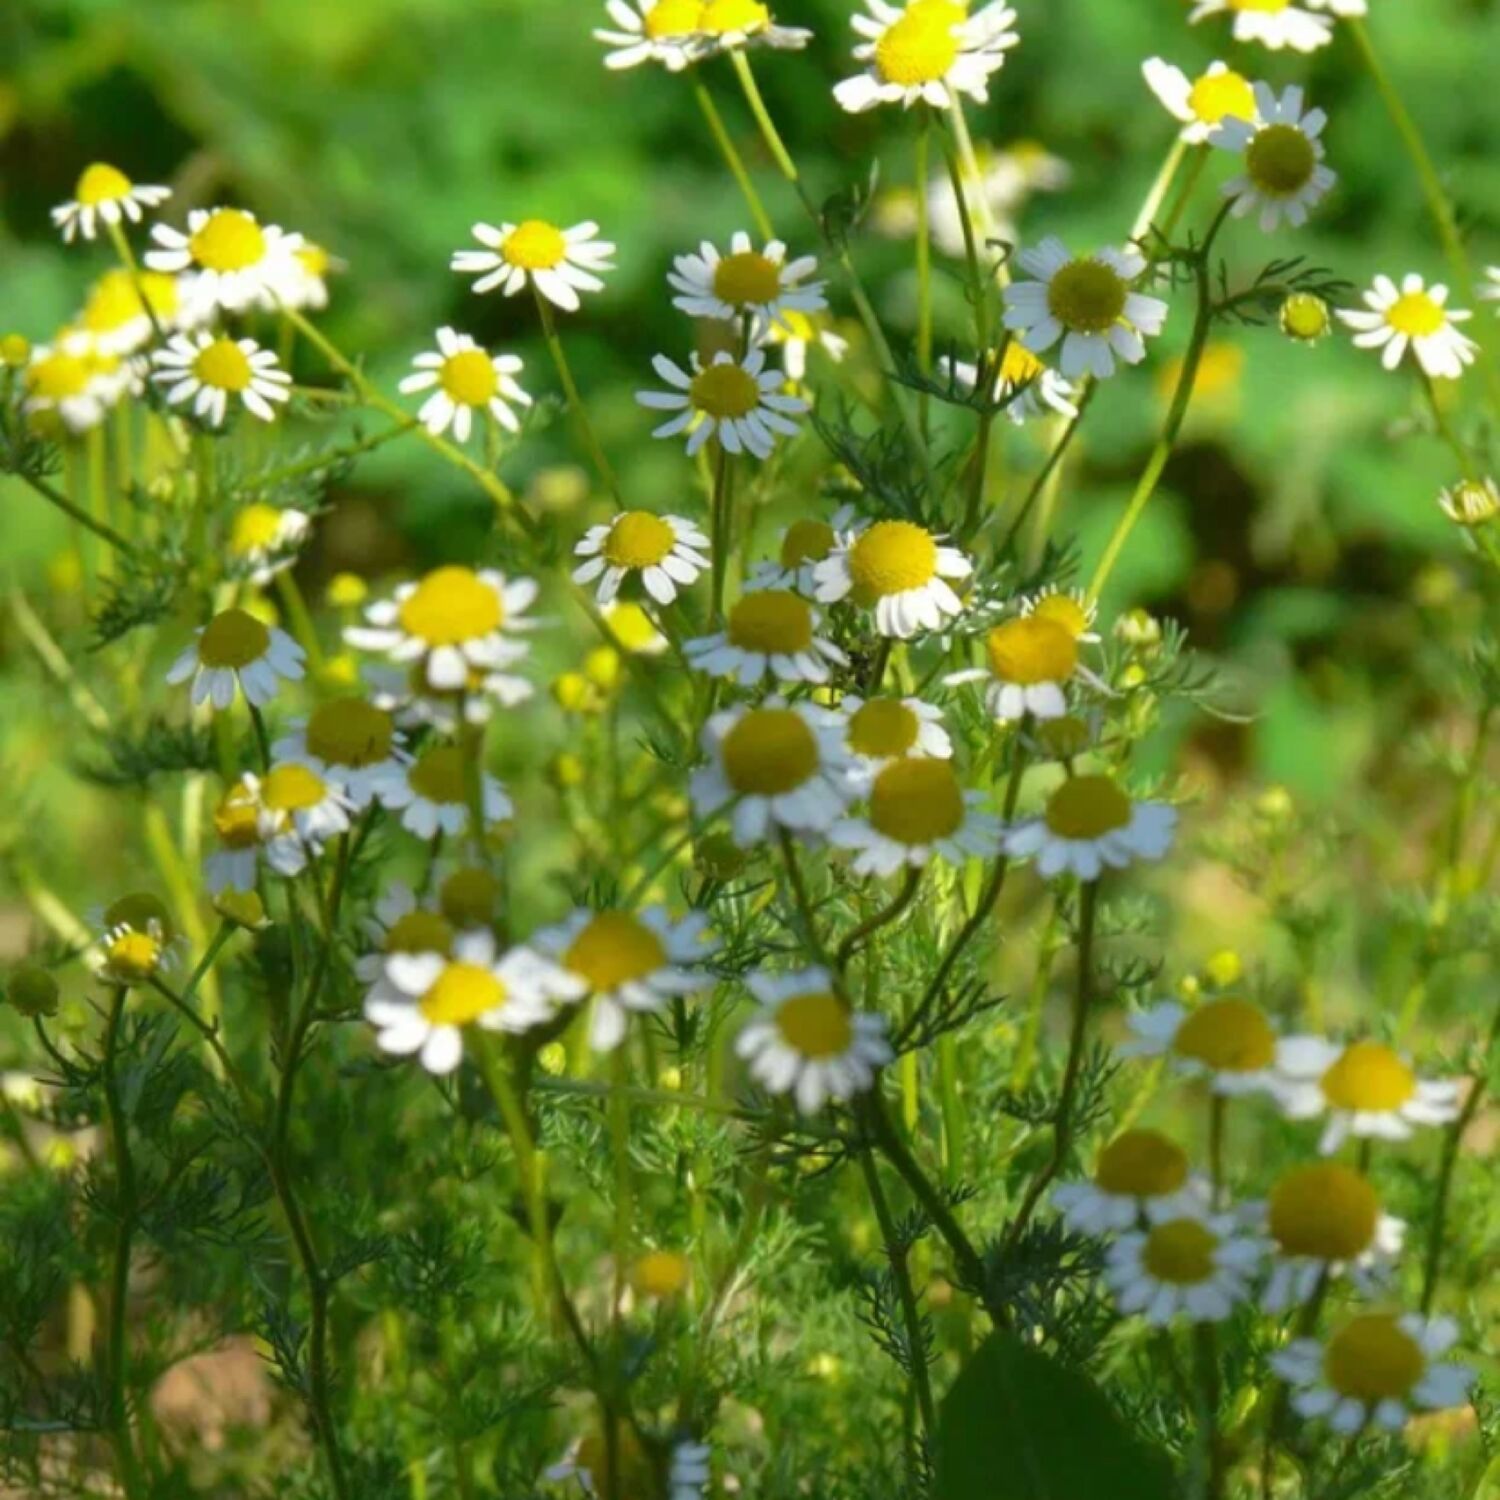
x=300, y=619
x=1206, y=1358
x=98, y=490
x=721, y=521
x=1466, y=463
x=858, y=936
x=923, y=260
x=1218, y=1110
x=585, y=427
x=76, y=513
x=1156, y=195
x=803, y=902
x=732, y=157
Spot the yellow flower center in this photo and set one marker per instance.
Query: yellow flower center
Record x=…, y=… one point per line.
x=660, y=1273
x=806, y=541
x=772, y=621
x=233, y=638
x=1064, y=610
x=720, y=16
x=115, y=300
x=292, y=788
x=916, y=801
x=882, y=728
x=1034, y=648
x=1018, y=365
x=613, y=949
x=349, y=732
x=223, y=365
x=535, y=246
x=58, y=376
x=1087, y=296
x=1180, y=1251
x=747, y=279
x=1280, y=160
x=438, y=775
x=139, y=910
x=230, y=240
x=237, y=821
x=1304, y=316
x=1141, y=1164
x=1372, y=1358
x=1325, y=1210
x=451, y=605
x=815, y=1024
x=1260, y=5
x=134, y=954
x=891, y=558
x=1368, y=1076
x=632, y=627
x=254, y=528
x=725, y=390
x=460, y=994
x=469, y=378
x=101, y=183
x=419, y=932
x=1217, y=95
x=669, y=18
x=769, y=751
x=1415, y=314
x=637, y=539
x=314, y=259
x=1228, y=1035
x=1087, y=807
x=919, y=48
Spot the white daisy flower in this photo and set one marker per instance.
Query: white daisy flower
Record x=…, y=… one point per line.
x=782, y=765
x=263, y=540
x=73, y=381
x=1375, y=1369
x=228, y=258
x=1028, y=387
x=1188, y=1261
x=762, y=285
x=629, y=962
x=898, y=569
x=207, y=369
x=1470, y=502
x=399, y=924
x=880, y=730
x=800, y=548
x=118, y=310
x=767, y=633
x=667, y=552
x=455, y=622
x=236, y=649
x=1225, y=1040
x=1204, y=102
x=105, y=194
x=137, y=939
x=689, y=1471
x=251, y=834
x=1322, y=1220
x=927, y=53
x=467, y=379
x=1087, y=302
x=659, y=31
x=559, y=263
x=727, y=25
x=1490, y=291
x=1090, y=825
x=1029, y=662
x=431, y=792
x=1283, y=174
x=737, y=401
x=312, y=804
x=1139, y=1173
x=1273, y=23
x=1366, y=1089
x=807, y=1042
x=413, y=702
x=435, y=995
x=1415, y=316
x=301, y=278
x=917, y=812
x=795, y=334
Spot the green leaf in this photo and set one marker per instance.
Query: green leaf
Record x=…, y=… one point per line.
x=1017, y=1425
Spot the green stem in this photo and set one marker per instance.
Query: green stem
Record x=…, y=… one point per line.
x=300, y=619
x=768, y=131
x=579, y=411
x=1206, y=1356
x=722, y=518
x=732, y=158
x=1466, y=464
x=801, y=898
x=882, y=918
x=100, y=529
x=1157, y=193
x=924, y=259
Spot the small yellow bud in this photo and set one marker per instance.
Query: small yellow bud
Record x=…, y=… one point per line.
x=566, y=770
x=670, y=1078
x=1471, y=503
x=553, y=1059
x=1188, y=987
x=1133, y=675
x=1275, y=804
x=660, y=1274
x=1305, y=317
x=632, y=628
x=1138, y=628
x=602, y=667
x=32, y=990
x=15, y=350
x=564, y=488
x=243, y=908
x=341, y=671
x=575, y=694
x=1223, y=968
x=347, y=591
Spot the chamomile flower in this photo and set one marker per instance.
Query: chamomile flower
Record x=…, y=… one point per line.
x=464, y=380
x=431, y=792
x=917, y=812
x=208, y=369
x=1225, y=1040
x=659, y=31
x=434, y=995
x=727, y=25
x=228, y=258
x=1070, y=608
x=665, y=552
x=236, y=650
x=250, y=834
x=105, y=194
x=927, y=53
x=304, y=799
x=455, y=622
x=880, y=730
x=1090, y=825
x=557, y=263
x=1471, y=502
x=629, y=962
x=1188, y=1261
x=1375, y=1369
x=782, y=765
x=1028, y=387
x=800, y=548
x=1139, y=1173
x=767, y=633
x=399, y=924
x=1272, y=23
x=805, y=1041
x=900, y=571
x=632, y=630
x=138, y=939
x=1283, y=174
x=1366, y=1089
x=263, y=539
x=761, y=285
x=1201, y=103
x=1414, y=316
x=302, y=277
x=737, y=401
x=1088, y=302
x=413, y=701
x=70, y=381
x=119, y=308
x=1324, y=1219
x=1029, y=662
x=795, y=334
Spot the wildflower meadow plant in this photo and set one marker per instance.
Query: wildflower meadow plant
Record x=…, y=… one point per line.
x=675, y=996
